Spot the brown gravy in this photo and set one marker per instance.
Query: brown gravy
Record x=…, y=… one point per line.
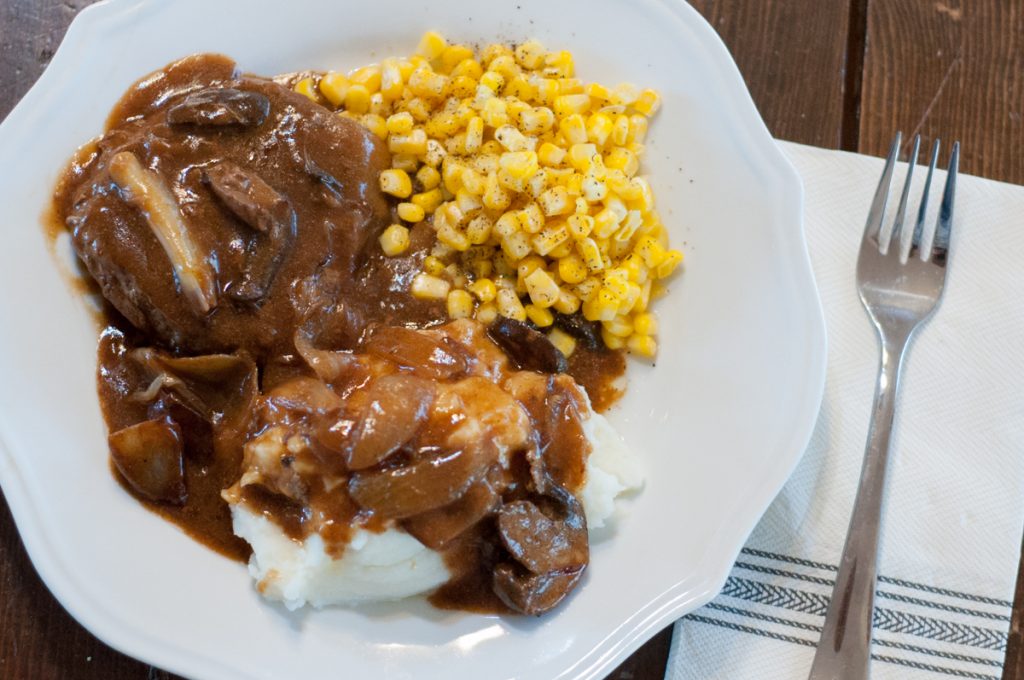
x=331, y=284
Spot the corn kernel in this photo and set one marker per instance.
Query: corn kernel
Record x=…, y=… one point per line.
x=400, y=123
x=375, y=124
x=669, y=263
x=542, y=288
x=432, y=45
x=637, y=128
x=620, y=130
x=487, y=313
x=410, y=212
x=563, y=342
x=568, y=302
x=594, y=190
x=519, y=164
x=574, y=129
x=650, y=251
x=460, y=304
x=334, y=86
x=516, y=245
x=396, y=183
x=357, y=99
x=560, y=63
x=580, y=226
x=495, y=197
x=367, y=76
x=428, y=177
x=467, y=201
x=590, y=254
x=599, y=128
x=645, y=324
x=551, y=155
x=414, y=143
x=602, y=306
x=581, y=156
x=648, y=102
x=428, y=200
x=307, y=88
x=612, y=341
x=427, y=287
x=625, y=94
x=394, y=240
x=550, y=238
x=528, y=265
x=644, y=345
x=530, y=54
x=419, y=109
x=511, y=139
x=571, y=269
x=623, y=159
x=424, y=82
x=598, y=91
x=540, y=316
x=468, y=68
x=492, y=81
x=484, y=289
x=433, y=265
x=555, y=201
x=510, y=306
x=452, y=56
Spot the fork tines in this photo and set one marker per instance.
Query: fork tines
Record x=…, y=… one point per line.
x=939, y=235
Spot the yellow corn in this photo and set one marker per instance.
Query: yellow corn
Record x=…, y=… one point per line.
x=307, y=87
x=550, y=238
x=484, y=289
x=400, y=123
x=428, y=177
x=648, y=102
x=591, y=254
x=453, y=55
x=542, y=288
x=516, y=246
x=334, y=86
x=460, y=304
x=414, y=143
x=375, y=124
x=599, y=128
x=571, y=269
x=563, y=342
x=427, y=287
x=568, y=302
x=357, y=99
x=394, y=240
x=428, y=200
x=432, y=45
x=410, y=212
x=555, y=201
x=433, y=265
x=468, y=68
x=487, y=313
x=644, y=345
x=396, y=183
x=612, y=341
x=669, y=263
x=510, y=306
x=573, y=129
x=540, y=316
x=367, y=76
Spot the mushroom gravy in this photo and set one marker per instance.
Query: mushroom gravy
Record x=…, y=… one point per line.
x=259, y=346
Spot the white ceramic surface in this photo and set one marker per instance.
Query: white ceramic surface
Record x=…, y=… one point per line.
x=720, y=422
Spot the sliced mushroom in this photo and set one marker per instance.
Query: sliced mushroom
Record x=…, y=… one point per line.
x=430, y=356
x=396, y=407
x=529, y=349
x=540, y=543
x=220, y=106
x=533, y=594
x=587, y=332
x=220, y=387
x=149, y=456
x=436, y=528
x=145, y=190
x=261, y=207
x=427, y=484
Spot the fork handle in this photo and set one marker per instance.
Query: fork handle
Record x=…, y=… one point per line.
x=844, y=651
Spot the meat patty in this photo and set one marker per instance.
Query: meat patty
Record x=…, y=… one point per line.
x=213, y=197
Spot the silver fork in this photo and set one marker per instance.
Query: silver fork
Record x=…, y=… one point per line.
x=899, y=290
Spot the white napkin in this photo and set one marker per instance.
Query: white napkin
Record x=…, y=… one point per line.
x=954, y=514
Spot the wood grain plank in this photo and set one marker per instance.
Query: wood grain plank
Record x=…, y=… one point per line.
x=952, y=69
x=792, y=54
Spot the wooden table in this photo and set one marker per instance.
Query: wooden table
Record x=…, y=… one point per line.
x=839, y=74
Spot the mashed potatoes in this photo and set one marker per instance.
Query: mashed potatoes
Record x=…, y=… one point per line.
x=393, y=565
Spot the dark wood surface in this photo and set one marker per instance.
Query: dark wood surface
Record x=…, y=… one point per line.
x=837, y=74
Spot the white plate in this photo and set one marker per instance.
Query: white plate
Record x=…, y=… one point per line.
x=720, y=423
